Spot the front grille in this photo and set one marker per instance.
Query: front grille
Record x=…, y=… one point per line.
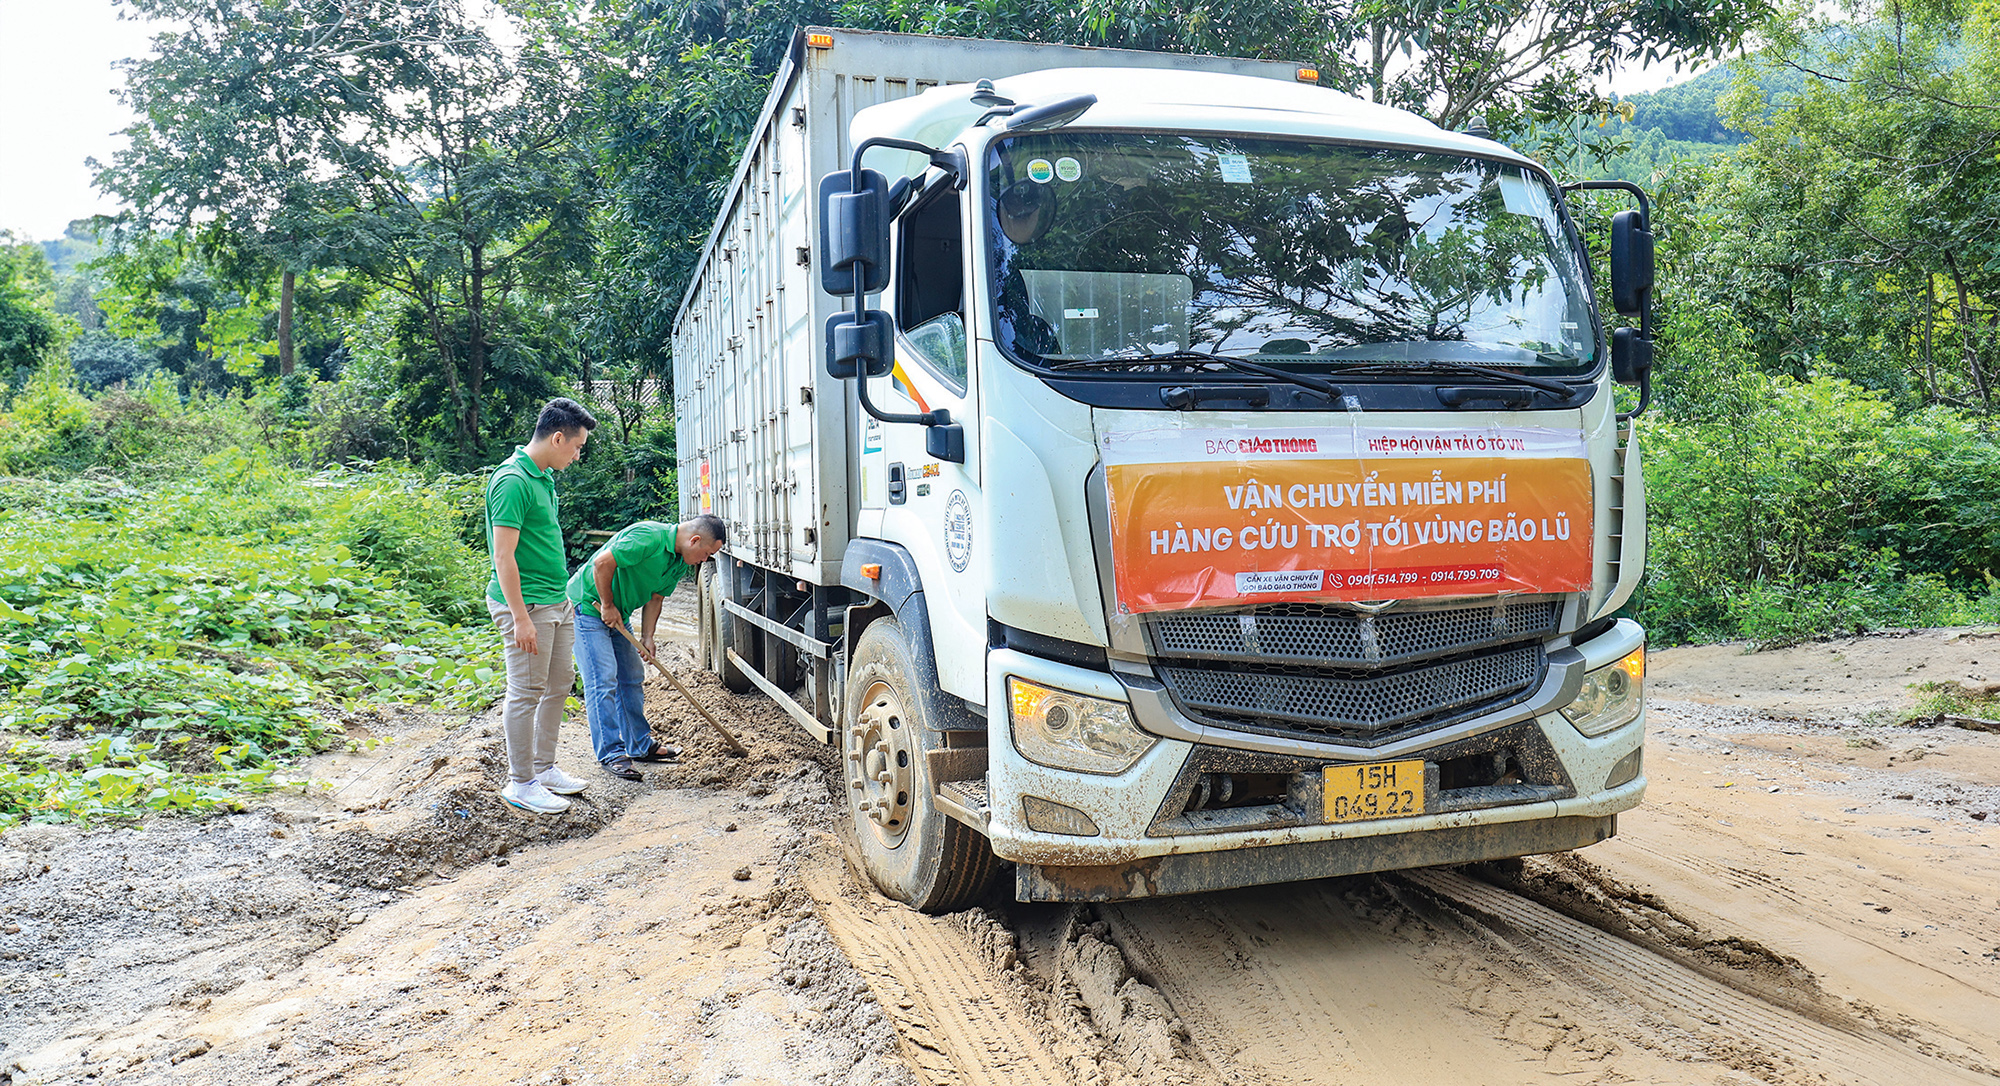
x=1335, y=637
x=1367, y=710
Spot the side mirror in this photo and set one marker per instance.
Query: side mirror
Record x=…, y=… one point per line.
x=854, y=232
x=1631, y=263
x=1631, y=356
x=861, y=345
x=945, y=440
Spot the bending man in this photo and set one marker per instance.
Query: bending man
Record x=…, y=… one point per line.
x=634, y=570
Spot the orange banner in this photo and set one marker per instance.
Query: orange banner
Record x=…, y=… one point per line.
x=1202, y=518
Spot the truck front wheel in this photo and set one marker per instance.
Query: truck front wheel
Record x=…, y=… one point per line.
x=911, y=851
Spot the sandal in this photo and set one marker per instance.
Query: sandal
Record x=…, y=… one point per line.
x=622, y=769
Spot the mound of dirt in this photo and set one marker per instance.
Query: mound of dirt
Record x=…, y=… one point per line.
x=440, y=808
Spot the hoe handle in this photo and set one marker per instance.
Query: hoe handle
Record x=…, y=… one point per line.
x=728, y=737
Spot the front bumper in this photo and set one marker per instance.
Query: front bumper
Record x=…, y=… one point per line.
x=1133, y=840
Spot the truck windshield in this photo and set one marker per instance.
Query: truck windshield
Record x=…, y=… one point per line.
x=1110, y=249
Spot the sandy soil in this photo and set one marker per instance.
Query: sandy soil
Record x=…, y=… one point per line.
x=1809, y=895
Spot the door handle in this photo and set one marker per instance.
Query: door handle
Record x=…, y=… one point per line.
x=899, y=491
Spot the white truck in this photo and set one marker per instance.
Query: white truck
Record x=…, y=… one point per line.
x=1160, y=473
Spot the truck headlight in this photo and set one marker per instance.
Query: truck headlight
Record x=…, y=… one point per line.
x=1611, y=695
x=1062, y=730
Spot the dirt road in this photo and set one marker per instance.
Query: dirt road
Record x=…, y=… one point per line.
x=1809, y=895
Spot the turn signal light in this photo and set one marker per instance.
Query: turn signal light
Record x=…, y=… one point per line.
x=819, y=41
x=872, y=571
x=1308, y=75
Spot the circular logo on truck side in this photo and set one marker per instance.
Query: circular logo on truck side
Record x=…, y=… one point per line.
x=958, y=530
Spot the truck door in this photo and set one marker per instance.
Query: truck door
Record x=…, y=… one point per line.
x=929, y=505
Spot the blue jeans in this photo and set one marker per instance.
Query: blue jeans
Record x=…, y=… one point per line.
x=614, y=693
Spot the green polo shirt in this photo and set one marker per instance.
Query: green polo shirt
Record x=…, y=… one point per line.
x=522, y=494
x=648, y=566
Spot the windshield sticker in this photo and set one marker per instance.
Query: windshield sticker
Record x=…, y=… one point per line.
x=1040, y=172
x=1523, y=196
x=1207, y=517
x=1068, y=169
x=1080, y=314
x=1235, y=168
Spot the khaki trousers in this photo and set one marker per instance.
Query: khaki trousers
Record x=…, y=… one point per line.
x=537, y=686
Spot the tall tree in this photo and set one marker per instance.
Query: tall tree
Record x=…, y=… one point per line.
x=390, y=136
x=477, y=197
x=1457, y=60
x=242, y=109
x=1858, y=232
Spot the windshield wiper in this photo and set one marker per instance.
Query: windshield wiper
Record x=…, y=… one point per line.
x=1469, y=369
x=1325, y=388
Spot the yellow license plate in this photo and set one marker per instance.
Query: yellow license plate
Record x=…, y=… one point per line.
x=1356, y=793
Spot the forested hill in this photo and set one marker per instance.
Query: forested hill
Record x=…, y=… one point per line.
x=1687, y=111
x=1683, y=122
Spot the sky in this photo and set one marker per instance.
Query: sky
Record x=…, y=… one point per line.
x=57, y=106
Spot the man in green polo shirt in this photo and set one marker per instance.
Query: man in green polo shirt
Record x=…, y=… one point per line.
x=528, y=600
x=635, y=570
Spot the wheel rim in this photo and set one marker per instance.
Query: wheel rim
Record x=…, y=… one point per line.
x=880, y=754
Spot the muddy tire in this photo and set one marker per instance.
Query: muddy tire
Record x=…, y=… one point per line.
x=722, y=631
x=911, y=851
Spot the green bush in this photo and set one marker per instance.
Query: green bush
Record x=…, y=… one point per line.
x=118, y=778
x=48, y=426
x=210, y=621
x=1773, y=614
x=1782, y=510
x=413, y=529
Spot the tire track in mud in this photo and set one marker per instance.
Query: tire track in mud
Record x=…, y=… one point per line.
x=957, y=1023
x=1714, y=1012
x=973, y=1005
x=1879, y=888
x=1290, y=985
x=1433, y=977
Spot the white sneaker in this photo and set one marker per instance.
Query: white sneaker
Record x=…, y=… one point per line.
x=555, y=780
x=532, y=796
